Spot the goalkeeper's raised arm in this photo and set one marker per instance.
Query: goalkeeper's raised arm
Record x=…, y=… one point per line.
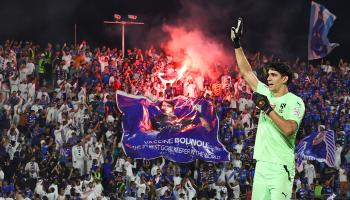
x=244, y=67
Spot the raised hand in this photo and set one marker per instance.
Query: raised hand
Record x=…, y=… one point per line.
x=236, y=33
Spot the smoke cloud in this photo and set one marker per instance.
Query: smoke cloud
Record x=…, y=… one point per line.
x=273, y=27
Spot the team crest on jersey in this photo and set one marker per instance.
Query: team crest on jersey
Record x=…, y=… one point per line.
x=282, y=106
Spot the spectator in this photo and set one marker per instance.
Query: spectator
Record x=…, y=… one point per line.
x=310, y=172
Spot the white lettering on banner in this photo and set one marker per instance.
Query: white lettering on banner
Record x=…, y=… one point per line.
x=168, y=141
x=191, y=141
x=138, y=147
x=179, y=150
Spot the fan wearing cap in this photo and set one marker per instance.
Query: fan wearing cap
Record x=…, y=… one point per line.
x=279, y=121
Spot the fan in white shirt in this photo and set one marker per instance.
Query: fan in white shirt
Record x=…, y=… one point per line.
x=2, y=175
x=14, y=83
x=95, y=154
x=162, y=191
x=67, y=58
x=78, y=157
x=242, y=103
x=231, y=181
x=221, y=191
x=98, y=189
x=180, y=192
x=141, y=186
x=128, y=166
x=79, y=117
x=191, y=192
x=43, y=92
x=53, y=192
x=119, y=165
x=30, y=67
x=237, y=162
x=221, y=174
x=239, y=147
x=310, y=172
x=23, y=87
x=109, y=134
x=23, y=72
x=338, y=150
x=226, y=80
x=13, y=134
x=78, y=186
x=32, y=168
x=82, y=95
x=31, y=90
x=103, y=62
x=52, y=115
x=59, y=137
x=157, y=166
x=39, y=188
x=177, y=178
x=191, y=89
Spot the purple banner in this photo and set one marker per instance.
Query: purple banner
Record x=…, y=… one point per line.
x=318, y=146
x=180, y=129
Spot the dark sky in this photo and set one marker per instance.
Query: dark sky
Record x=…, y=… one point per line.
x=274, y=26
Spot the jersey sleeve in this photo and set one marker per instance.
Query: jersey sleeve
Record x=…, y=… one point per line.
x=263, y=89
x=296, y=110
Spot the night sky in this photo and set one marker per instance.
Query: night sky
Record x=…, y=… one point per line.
x=274, y=26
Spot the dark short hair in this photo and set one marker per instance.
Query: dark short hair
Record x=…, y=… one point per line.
x=282, y=68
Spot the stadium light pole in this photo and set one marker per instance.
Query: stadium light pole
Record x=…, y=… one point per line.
x=123, y=23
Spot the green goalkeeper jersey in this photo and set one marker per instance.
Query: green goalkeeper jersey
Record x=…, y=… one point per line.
x=270, y=143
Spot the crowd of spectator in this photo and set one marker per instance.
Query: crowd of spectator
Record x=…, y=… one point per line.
x=61, y=130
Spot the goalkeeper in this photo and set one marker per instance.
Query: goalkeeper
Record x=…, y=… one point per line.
x=280, y=117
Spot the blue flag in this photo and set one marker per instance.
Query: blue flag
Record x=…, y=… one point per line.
x=180, y=129
x=318, y=146
x=321, y=20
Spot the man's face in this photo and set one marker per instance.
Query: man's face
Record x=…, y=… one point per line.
x=275, y=80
